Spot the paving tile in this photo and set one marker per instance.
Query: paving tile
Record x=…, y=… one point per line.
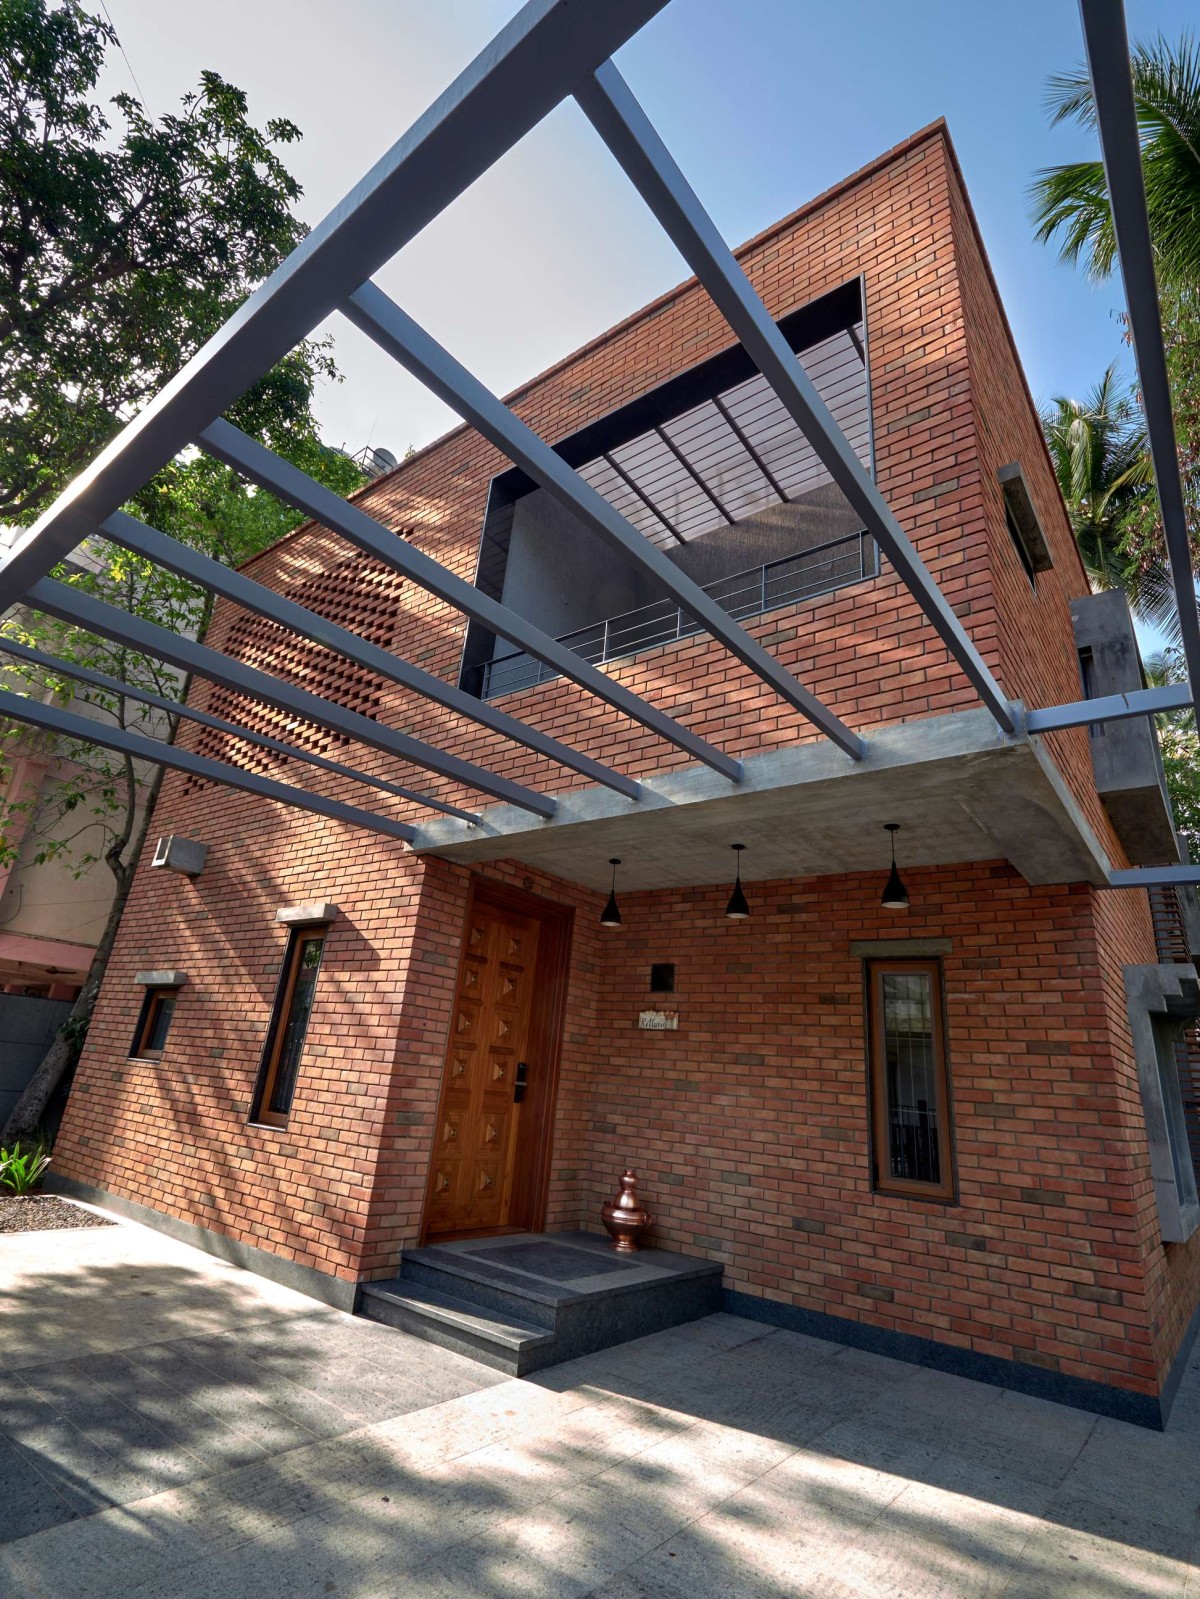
x=214, y=1436
x=29, y=1502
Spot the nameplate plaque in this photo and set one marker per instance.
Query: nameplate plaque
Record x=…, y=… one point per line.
x=659, y=1021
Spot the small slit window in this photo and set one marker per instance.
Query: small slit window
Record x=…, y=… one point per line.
x=154, y=1023
x=289, y=1026
x=1023, y=555
x=909, y=1080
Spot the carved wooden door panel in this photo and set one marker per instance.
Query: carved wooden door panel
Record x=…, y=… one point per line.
x=476, y=1138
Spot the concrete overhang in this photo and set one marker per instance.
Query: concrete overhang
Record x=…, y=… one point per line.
x=961, y=790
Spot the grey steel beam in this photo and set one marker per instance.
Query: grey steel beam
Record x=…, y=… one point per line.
x=620, y=121
x=188, y=563
x=1110, y=708
x=1116, y=120
x=53, y=719
x=528, y=68
x=281, y=478
x=394, y=331
x=1153, y=877
x=115, y=685
x=94, y=616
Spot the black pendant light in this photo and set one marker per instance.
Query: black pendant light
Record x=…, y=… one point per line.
x=895, y=895
x=738, y=908
x=610, y=916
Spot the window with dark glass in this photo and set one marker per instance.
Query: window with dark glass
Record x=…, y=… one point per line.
x=910, y=1089
x=289, y=1026
x=154, y=1023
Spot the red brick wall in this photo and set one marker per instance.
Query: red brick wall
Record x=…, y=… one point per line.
x=749, y=1124
x=1172, y=1270
x=866, y=651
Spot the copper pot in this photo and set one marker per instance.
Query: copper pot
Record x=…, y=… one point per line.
x=625, y=1218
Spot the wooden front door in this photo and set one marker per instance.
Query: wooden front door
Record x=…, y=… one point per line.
x=500, y=1061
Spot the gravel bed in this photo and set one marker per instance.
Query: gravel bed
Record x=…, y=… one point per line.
x=40, y=1212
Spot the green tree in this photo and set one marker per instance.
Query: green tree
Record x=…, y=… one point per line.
x=1098, y=449
x=1180, y=746
x=124, y=244
x=1071, y=208
x=1071, y=201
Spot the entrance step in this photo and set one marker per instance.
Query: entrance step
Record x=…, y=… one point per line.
x=454, y=1324
x=525, y=1301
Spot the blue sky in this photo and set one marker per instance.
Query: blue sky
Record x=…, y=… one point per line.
x=764, y=103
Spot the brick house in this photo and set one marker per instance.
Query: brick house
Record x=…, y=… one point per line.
x=952, y=1131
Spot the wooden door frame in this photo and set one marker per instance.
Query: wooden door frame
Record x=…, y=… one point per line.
x=531, y=1187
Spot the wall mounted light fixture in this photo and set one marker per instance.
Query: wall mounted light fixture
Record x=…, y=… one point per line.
x=610, y=916
x=895, y=895
x=738, y=908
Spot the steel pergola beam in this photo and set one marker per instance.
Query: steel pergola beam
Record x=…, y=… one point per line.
x=53, y=719
x=1107, y=43
x=1153, y=877
x=94, y=616
x=614, y=112
x=394, y=331
x=1111, y=708
x=296, y=488
x=203, y=570
x=116, y=685
x=530, y=66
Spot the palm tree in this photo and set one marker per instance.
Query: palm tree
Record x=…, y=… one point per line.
x=1071, y=201
x=1098, y=449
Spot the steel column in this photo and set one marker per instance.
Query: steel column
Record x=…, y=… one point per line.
x=114, y=685
x=528, y=68
x=94, y=616
x=623, y=125
x=281, y=478
x=52, y=719
x=1116, y=120
x=394, y=331
x=188, y=563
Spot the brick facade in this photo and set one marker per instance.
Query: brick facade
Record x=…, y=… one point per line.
x=750, y=1122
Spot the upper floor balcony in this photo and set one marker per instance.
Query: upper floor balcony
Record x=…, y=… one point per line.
x=710, y=468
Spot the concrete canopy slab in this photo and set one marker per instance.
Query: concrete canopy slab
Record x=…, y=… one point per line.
x=961, y=790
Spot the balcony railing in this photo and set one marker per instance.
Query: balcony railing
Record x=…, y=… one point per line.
x=743, y=594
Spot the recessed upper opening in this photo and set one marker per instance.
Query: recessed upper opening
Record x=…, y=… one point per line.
x=711, y=469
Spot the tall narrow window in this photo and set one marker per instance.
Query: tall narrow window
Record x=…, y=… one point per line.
x=289, y=1025
x=910, y=1090
x=150, y=1038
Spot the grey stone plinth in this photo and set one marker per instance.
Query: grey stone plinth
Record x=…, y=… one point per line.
x=532, y=1300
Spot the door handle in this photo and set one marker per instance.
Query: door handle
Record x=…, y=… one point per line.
x=521, y=1083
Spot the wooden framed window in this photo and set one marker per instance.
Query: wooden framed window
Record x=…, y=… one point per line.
x=910, y=1081
x=154, y=1022
x=289, y=1025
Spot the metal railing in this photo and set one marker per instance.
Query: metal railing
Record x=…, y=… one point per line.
x=742, y=594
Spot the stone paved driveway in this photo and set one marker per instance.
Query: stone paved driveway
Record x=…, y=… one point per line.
x=172, y=1428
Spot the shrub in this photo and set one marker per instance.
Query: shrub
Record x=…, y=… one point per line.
x=21, y=1170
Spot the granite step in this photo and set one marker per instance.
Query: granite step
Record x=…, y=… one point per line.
x=456, y=1324
x=522, y=1302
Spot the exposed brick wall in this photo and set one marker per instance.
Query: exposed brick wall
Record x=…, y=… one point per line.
x=750, y=1123
x=1172, y=1270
